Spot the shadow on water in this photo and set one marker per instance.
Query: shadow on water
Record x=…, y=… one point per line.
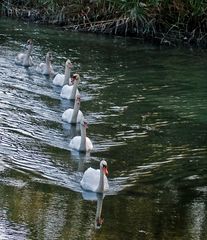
x=146, y=109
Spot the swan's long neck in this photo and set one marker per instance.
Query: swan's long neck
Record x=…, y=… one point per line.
x=83, y=139
x=48, y=64
x=100, y=188
x=27, y=55
x=67, y=75
x=74, y=89
x=75, y=112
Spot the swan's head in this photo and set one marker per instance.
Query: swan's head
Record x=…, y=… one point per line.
x=84, y=123
x=29, y=44
x=75, y=77
x=69, y=64
x=103, y=167
x=49, y=56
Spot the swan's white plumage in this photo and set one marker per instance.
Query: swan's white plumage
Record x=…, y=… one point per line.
x=20, y=60
x=81, y=143
x=67, y=116
x=90, y=180
x=73, y=115
x=25, y=59
x=75, y=143
x=60, y=79
x=67, y=91
x=71, y=92
x=42, y=68
x=46, y=67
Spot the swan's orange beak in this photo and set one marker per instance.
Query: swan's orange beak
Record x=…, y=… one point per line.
x=105, y=170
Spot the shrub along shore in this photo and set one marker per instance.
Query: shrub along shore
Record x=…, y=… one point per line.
x=168, y=22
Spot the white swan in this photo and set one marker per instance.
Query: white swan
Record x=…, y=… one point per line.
x=95, y=180
x=70, y=92
x=25, y=59
x=62, y=79
x=81, y=143
x=46, y=68
x=73, y=115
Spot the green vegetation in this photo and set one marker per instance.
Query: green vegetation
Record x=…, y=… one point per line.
x=165, y=21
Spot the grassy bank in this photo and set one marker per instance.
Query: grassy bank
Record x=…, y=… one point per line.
x=168, y=22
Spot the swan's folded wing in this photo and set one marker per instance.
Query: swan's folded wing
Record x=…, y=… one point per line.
x=89, y=145
x=59, y=79
x=90, y=179
x=67, y=115
x=19, y=58
x=80, y=116
x=75, y=142
x=66, y=91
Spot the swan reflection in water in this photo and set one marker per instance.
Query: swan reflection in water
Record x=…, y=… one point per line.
x=70, y=130
x=99, y=219
x=98, y=197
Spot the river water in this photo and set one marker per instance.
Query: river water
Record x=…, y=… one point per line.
x=146, y=110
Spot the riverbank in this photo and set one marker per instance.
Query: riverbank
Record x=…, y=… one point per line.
x=170, y=22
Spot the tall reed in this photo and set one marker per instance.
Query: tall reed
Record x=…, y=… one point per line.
x=186, y=18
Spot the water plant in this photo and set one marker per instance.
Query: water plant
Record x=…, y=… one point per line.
x=164, y=20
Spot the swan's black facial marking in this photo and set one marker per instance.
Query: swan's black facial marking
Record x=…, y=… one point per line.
x=50, y=56
x=29, y=41
x=85, y=124
x=73, y=77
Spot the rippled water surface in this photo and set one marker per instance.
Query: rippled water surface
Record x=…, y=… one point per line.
x=146, y=109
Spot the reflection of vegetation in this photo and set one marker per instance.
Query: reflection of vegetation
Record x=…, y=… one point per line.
x=158, y=19
x=41, y=212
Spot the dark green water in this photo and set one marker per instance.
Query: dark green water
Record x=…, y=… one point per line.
x=146, y=109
